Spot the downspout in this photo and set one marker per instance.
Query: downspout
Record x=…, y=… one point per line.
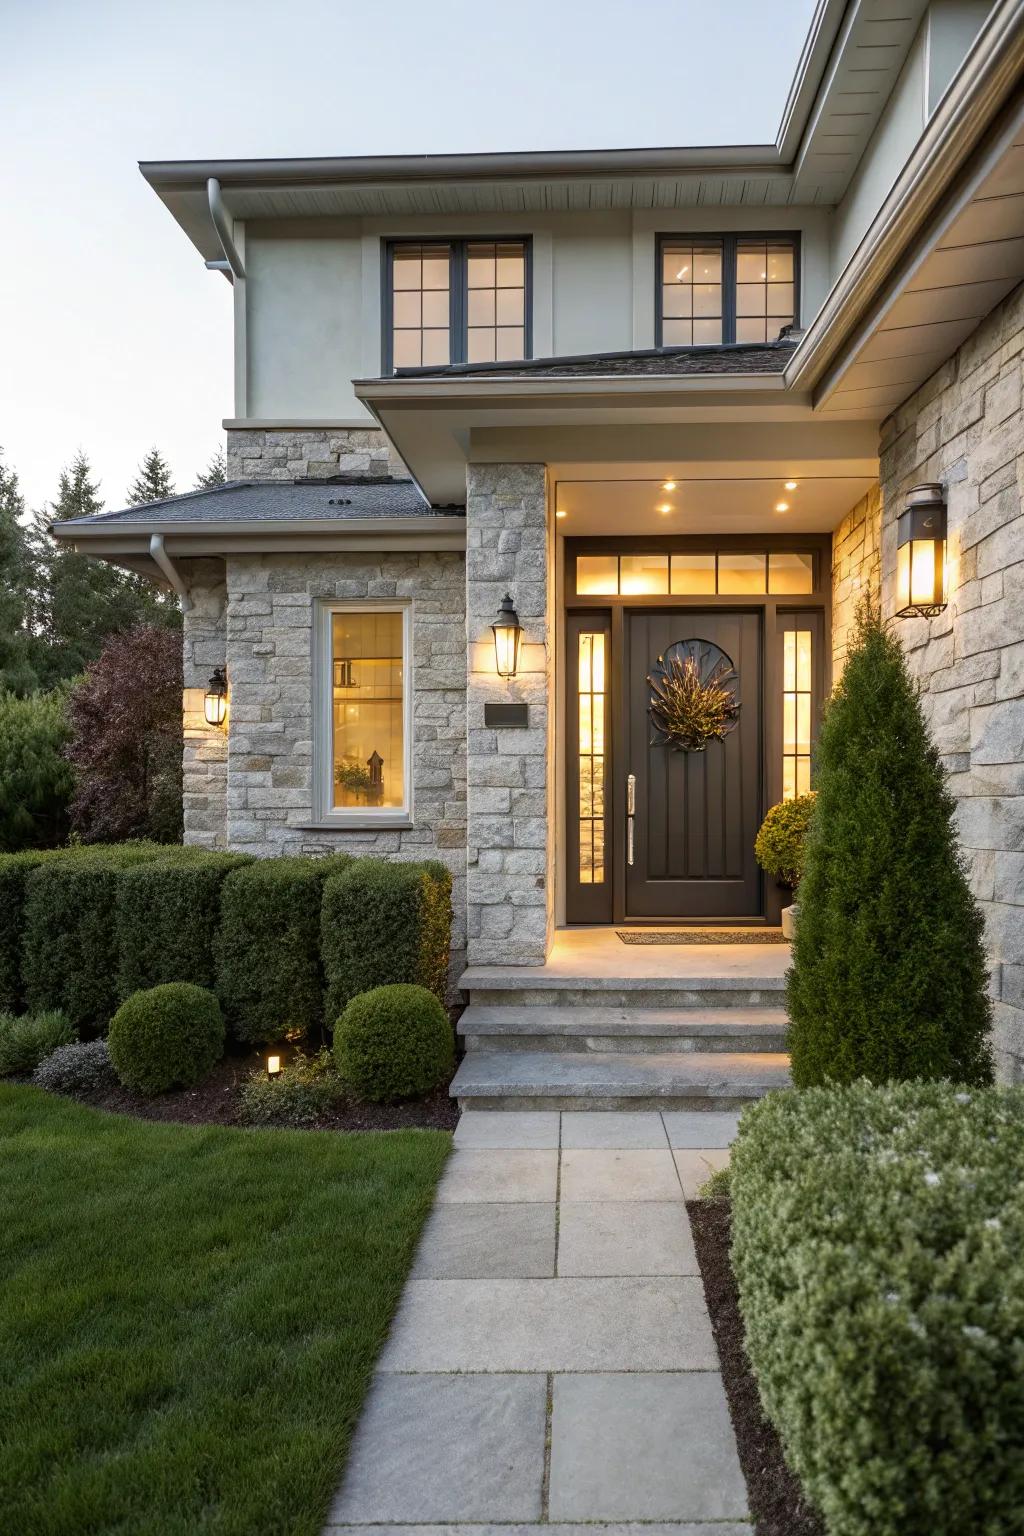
x=231, y=265
x=166, y=565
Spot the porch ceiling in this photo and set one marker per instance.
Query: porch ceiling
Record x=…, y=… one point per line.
x=723, y=504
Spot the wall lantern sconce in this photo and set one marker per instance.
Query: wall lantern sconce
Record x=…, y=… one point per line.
x=921, y=554
x=215, y=700
x=507, y=631
x=273, y=1067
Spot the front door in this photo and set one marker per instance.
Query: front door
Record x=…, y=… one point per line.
x=690, y=840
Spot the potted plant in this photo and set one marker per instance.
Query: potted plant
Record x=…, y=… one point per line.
x=779, y=849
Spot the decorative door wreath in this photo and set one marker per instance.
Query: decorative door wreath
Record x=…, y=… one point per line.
x=693, y=699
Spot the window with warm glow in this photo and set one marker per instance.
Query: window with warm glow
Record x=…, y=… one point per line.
x=456, y=302
x=592, y=757
x=367, y=757
x=796, y=712
x=726, y=573
x=722, y=289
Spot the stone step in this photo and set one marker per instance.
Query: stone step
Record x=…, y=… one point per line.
x=492, y=1027
x=595, y=1080
x=536, y=988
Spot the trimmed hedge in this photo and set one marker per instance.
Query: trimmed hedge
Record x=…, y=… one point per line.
x=269, y=976
x=69, y=945
x=394, y=1043
x=166, y=1037
x=878, y=1245
x=168, y=913
x=383, y=924
x=15, y=869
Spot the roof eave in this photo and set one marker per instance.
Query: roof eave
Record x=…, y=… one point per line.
x=482, y=387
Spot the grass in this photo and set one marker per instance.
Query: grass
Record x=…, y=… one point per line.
x=189, y=1317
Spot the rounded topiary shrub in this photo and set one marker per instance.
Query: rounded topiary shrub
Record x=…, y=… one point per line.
x=166, y=1037
x=394, y=1043
x=779, y=846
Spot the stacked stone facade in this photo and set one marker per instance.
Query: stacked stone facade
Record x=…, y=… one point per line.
x=510, y=801
x=856, y=569
x=205, y=765
x=965, y=429
x=292, y=453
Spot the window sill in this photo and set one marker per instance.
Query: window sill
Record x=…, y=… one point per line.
x=355, y=824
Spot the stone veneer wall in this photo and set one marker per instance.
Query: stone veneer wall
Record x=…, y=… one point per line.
x=262, y=453
x=510, y=821
x=205, y=764
x=965, y=428
x=856, y=569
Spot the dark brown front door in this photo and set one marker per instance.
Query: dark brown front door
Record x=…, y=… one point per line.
x=696, y=814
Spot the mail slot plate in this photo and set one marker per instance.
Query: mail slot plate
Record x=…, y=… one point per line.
x=505, y=716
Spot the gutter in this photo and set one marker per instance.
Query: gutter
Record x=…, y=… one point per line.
x=987, y=76
x=231, y=265
x=160, y=557
x=484, y=387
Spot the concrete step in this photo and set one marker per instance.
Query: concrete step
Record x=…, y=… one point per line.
x=492, y=1027
x=595, y=1080
x=528, y=987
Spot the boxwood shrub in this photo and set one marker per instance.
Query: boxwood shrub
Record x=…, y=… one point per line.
x=168, y=911
x=394, y=1042
x=166, y=1037
x=69, y=946
x=878, y=1244
x=269, y=976
x=385, y=923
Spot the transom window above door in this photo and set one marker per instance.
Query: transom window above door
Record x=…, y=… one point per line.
x=456, y=301
x=718, y=289
x=693, y=573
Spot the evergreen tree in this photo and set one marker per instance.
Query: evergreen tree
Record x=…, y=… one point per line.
x=214, y=474
x=153, y=481
x=80, y=601
x=17, y=673
x=889, y=973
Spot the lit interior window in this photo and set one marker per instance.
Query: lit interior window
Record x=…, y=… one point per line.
x=643, y=575
x=496, y=302
x=691, y=295
x=368, y=749
x=592, y=757
x=796, y=713
x=597, y=575
x=764, y=289
x=790, y=575
x=420, y=280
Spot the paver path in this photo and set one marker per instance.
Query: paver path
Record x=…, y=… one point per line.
x=552, y=1361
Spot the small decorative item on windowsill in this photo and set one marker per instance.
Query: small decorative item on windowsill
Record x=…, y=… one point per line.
x=693, y=700
x=366, y=781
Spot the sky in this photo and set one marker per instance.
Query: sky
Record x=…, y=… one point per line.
x=114, y=337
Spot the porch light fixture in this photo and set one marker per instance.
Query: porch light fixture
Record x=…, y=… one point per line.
x=507, y=631
x=921, y=554
x=273, y=1067
x=215, y=700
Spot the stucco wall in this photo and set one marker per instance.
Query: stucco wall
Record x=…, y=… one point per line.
x=965, y=428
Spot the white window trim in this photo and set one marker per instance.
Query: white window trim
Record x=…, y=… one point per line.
x=327, y=814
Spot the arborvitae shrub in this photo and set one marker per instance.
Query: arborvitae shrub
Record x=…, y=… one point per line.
x=15, y=869
x=166, y=1037
x=394, y=1043
x=167, y=916
x=269, y=974
x=889, y=973
x=69, y=943
x=385, y=923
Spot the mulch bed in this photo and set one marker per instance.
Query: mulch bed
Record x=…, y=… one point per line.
x=214, y=1101
x=777, y=1504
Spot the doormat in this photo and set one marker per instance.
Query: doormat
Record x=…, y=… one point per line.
x=704, y=936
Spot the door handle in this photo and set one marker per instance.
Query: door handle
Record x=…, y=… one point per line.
x=630, y=813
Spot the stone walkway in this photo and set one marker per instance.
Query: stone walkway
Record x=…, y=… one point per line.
x=552, y=1361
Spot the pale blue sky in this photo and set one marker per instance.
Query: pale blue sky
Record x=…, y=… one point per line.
x=114, y=336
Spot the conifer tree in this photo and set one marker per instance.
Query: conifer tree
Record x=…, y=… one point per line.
x=17, y=674
x=889, y=974
x=214, y=474
x=152, y=482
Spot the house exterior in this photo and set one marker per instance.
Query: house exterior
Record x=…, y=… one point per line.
x=672, y=403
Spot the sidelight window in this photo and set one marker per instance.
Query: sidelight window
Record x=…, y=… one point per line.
x=797, y=690
x=592, y=700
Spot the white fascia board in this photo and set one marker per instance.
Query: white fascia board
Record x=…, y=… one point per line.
x=483, y=390
x=198, y=538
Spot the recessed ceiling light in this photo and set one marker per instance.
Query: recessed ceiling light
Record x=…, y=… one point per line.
x=782, y=506
x=790, y=485
x=561, y=514
x=665, y=507
x=669, y=485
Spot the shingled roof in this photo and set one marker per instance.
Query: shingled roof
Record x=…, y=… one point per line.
x=337, y=499
x=655, y=362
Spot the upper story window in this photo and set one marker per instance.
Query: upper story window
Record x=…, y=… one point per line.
x=725, y=288
x=456, y=301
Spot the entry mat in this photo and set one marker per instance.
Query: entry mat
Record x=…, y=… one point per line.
x=702, y=936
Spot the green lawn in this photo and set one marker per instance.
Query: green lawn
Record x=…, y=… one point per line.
x=189, y=1316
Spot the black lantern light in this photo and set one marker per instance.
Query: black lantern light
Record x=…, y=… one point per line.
x=921, y=554
x=507, y=631
x=215, y=700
